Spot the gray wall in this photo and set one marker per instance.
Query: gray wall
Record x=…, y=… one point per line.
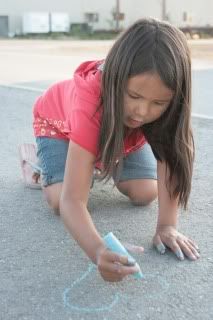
x=200, y=10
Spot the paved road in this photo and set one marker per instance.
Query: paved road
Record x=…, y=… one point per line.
x=36, y=64
x=202, y=93
x=45, y=275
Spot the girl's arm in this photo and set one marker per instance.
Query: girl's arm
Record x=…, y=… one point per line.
x=168, y=208
x=73, y=209
x=166, y=232
x=74, y=198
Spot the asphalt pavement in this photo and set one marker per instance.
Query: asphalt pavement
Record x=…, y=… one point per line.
x=44, y=275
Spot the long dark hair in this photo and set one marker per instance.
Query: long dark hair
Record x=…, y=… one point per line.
x=151, y=46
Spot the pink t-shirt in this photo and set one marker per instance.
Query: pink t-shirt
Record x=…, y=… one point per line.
x=67, y=110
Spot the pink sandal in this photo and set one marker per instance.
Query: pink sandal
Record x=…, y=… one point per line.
x=28, y=160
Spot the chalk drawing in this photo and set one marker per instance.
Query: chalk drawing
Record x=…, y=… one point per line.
x=69, y=305
x=67, y=300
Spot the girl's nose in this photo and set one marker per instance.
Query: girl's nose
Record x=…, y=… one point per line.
x=142, y=109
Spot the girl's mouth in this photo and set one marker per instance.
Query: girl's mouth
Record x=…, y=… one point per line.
x=135, y=123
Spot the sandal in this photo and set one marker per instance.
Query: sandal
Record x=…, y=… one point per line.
x=28, y=160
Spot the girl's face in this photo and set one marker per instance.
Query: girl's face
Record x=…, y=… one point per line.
x=145, y=100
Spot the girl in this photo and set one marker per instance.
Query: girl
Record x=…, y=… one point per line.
x=114, y=115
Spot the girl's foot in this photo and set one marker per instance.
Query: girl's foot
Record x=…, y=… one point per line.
x=36, y=177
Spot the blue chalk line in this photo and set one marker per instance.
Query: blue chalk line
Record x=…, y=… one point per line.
x=116, y=299
x=87, y=309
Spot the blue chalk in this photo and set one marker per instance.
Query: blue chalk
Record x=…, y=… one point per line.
x=115, y=245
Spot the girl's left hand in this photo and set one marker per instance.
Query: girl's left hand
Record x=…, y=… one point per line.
x=177, y=242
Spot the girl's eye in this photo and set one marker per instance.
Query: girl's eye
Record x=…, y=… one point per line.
x=160, y=104
x=133, y=97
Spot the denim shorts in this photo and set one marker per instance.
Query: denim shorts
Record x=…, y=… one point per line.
x=52, y=154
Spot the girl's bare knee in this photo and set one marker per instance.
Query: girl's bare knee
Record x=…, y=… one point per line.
x=52, y=195
x=53, y=203
x=140, y=193
x=143, y=199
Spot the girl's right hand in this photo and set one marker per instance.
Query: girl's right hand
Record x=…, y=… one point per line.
x=112, y=266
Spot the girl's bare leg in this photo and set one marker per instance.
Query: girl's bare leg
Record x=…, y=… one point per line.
x=52, y=194
x=140, y=191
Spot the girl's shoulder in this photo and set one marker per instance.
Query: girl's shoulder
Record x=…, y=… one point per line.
x=87, y=80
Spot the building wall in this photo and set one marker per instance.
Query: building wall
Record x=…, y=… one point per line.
x=137, y=9
x=15, y=9
x=200, y=11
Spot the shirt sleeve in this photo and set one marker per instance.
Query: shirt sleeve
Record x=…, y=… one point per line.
x=84, y=130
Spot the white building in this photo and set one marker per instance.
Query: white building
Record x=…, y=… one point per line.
x=179, y=12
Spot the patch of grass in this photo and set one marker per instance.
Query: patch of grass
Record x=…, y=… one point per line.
x=76, y=32
x=94, y=35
